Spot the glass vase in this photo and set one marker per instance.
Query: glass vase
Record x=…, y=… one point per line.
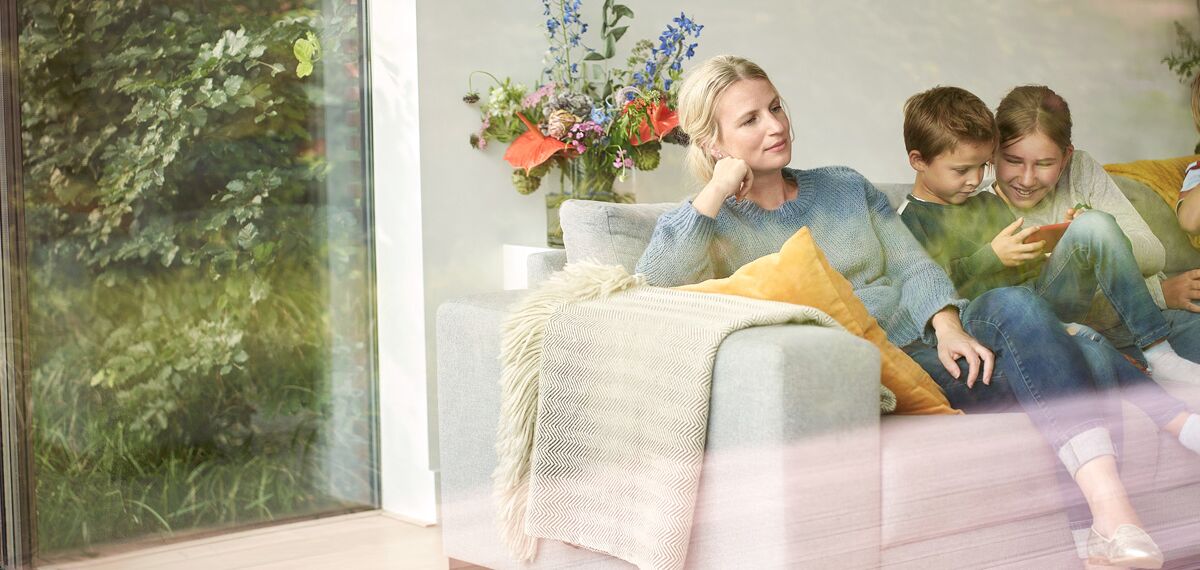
x=580, y=179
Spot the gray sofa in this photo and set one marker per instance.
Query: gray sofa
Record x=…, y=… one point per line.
x=800, y=470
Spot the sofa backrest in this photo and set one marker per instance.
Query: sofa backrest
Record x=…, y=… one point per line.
x=1181, y=256
x=618, y=233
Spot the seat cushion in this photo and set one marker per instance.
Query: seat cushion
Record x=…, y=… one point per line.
x=609, y=233
x=944, y=475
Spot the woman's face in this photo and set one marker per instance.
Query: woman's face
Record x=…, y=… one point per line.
x=753, y=125
x=1028, y=169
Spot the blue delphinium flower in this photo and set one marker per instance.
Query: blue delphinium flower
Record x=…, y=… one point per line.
x=670, y=52
x=599, y=117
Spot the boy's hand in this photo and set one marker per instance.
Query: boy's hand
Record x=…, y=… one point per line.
x=1181, y=291
x=1010, y=245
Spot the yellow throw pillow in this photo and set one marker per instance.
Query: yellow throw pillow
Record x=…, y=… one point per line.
x=800, y=274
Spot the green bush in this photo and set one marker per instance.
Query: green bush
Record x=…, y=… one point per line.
x=179, y=262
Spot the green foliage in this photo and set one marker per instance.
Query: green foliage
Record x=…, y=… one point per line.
x=1185, y=60
x=179, y=266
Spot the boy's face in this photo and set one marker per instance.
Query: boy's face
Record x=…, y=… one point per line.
x=952, y=176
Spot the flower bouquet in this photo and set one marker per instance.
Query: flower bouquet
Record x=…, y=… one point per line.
x=591, y=121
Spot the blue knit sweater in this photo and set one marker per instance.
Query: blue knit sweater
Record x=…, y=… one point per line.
x=851, y=221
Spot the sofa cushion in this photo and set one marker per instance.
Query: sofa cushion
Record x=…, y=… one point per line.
x=1181, y=256
x=800, y=274
x=608, y=233
x=944, y=475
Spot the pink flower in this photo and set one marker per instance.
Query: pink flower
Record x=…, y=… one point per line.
x=541, y=93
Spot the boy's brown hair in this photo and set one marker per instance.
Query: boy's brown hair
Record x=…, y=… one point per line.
x=935, y=121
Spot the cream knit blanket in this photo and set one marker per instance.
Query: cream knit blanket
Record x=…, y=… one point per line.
x=604, y=410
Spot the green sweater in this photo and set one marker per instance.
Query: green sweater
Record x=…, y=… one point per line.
x=959, y=238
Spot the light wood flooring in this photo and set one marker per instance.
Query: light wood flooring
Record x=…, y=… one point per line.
x=370, y=540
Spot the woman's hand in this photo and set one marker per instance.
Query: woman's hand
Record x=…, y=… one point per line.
x=954, y=343
x=731, y=177
x=1010, y=245
x=1180, y=290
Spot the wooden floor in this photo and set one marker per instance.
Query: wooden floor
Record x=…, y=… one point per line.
x=360, y=541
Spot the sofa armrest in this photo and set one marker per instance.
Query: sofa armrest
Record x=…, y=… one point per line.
x=789, y=404
x=542, y=265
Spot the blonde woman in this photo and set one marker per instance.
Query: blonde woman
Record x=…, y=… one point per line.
x=751, y=203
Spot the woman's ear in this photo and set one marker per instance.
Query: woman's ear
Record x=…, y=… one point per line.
x=1067, y=155
x=916, y=161
x=716, y=153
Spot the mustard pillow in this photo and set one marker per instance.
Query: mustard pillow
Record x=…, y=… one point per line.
x=800, y=274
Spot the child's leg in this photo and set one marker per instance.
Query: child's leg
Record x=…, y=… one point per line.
x=1111, y=369
x=1094, y=255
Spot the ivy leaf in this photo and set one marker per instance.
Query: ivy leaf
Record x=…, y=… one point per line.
x=621, y=11
x=307, y=51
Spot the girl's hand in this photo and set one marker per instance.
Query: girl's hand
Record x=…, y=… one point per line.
x=1010, y=245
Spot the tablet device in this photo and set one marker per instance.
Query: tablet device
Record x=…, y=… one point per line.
x=1050, y=234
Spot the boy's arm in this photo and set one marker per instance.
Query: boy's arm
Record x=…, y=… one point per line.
x=982, y=263
x=1188, y=207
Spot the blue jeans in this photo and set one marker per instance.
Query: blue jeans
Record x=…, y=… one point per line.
x=1184, y=336
x=1095, y=255
x=1040, y=370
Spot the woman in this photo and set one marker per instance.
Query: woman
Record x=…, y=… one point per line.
x=751, y=204
x=1042, y=177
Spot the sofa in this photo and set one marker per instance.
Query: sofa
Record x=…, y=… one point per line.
x=800, y=469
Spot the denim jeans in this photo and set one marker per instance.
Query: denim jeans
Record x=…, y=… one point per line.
x=1184, y=336
x=1094, y=255
x=1041, y=370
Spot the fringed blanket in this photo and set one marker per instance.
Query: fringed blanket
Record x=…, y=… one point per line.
x=604, y=410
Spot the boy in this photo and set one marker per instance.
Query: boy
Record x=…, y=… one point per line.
x=1188, y=206
x=951, y=136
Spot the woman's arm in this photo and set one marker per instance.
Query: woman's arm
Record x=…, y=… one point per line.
x=680, y=250
x=924, y=287
x=953, y=343
x=1097, y=189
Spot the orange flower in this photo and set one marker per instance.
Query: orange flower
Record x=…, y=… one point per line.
x=662, y=119
x=531, y=148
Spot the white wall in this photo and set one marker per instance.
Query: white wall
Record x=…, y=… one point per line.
x=844, y=66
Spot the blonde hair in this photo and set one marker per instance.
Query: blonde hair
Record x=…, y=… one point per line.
x=935, y=121
x=1196, y=101
x=697, y=108
x=1032, y=109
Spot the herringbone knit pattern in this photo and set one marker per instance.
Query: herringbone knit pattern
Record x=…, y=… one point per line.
x=622, y=417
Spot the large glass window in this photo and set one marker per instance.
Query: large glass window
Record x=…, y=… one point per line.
x=197, y=212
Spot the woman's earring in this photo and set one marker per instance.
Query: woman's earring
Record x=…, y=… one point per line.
x=717, y=154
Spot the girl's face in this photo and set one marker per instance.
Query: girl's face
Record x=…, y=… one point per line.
x=753, y=126
x=1028, y=169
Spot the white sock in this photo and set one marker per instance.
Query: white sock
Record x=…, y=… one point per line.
x=1189, y=436
x=1165, y=364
